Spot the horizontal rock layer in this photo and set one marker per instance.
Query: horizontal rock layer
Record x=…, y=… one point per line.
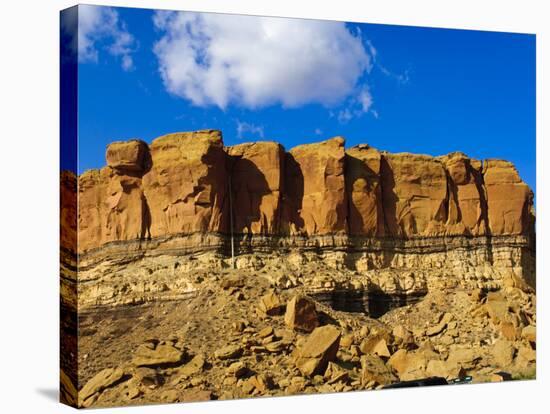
x=188, y=183
x=428, y=221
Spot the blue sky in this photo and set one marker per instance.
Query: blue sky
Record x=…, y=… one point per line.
x=143, y=74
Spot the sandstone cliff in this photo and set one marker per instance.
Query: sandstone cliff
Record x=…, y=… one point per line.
x=180, y=185
x=404, y=223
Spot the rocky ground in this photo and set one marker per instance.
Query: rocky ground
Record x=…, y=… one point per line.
x=242, y=335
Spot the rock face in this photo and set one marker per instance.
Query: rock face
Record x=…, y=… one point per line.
x=361, y=209
x=179, y=185
x=187, y=184
x=256, y=183
x=315, y=200
x=509, y=200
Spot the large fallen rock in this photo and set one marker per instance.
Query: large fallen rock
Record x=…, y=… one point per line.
x=374, y=369
x=318, y=350
x=102, y=380
x=153, y=354
x=301, y=314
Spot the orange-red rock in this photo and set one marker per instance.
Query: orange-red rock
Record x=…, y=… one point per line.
x=509, y=200
x=179, y=185
x=68, y=210
x=314, y=201
x=256, y=182
x=467, y=211
x=128, y=156
x=414, y=195
x=366, y=212
x=186, y=186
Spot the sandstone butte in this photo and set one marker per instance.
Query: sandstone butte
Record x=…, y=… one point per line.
x=188, y=189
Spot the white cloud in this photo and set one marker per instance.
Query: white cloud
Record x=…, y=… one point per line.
x=216, y=59
x=318, y=131
x=244, y=130
x=358, y=105
x=102, y=24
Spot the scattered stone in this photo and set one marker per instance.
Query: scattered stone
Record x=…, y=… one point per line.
x=374, y=369
x=503, y=352
x=229, y=352
x=301, y=314
x=319, y=349
x=102, y=380
x=375, y=345
x=346, y=341
x=335, y=373
x=437, y=329
x=267, y=331
x=238, y=369
x=529, y=333
x=232, y=281
x=193, y=367
x=148, y=377
x=500, y=376
x=270, y=305
x=157, y=355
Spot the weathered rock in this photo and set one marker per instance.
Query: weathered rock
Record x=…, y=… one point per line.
x=301, y=314
x=270, y=304
x=529, y=333
x=374, y=369
x=128, y=156
x=503, y=353
x=467, y=209
x=366, y=213
x=414, y=195
x=319, y=349
x=229, y=352
x=509, y=200
x=148, y=377
x=102, y=380
x=437, y=329
x=256, y=182
x=315, y=200
x=187, y=184
x=375, y=345
x=151, y=354
x=194, y=366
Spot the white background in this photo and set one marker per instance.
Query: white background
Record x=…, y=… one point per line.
x=29, y=186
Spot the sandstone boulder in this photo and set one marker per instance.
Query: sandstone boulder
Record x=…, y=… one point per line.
x=271, y=305
x=128, y=156
x=152, y=354
x=374, y=369
x=318, y=350
x=301, y=314
x=102, y=380
x=503, y=353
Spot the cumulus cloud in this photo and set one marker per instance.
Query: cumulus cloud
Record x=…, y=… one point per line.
x=244, y=129
x=215, y=59
x=102, y=24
